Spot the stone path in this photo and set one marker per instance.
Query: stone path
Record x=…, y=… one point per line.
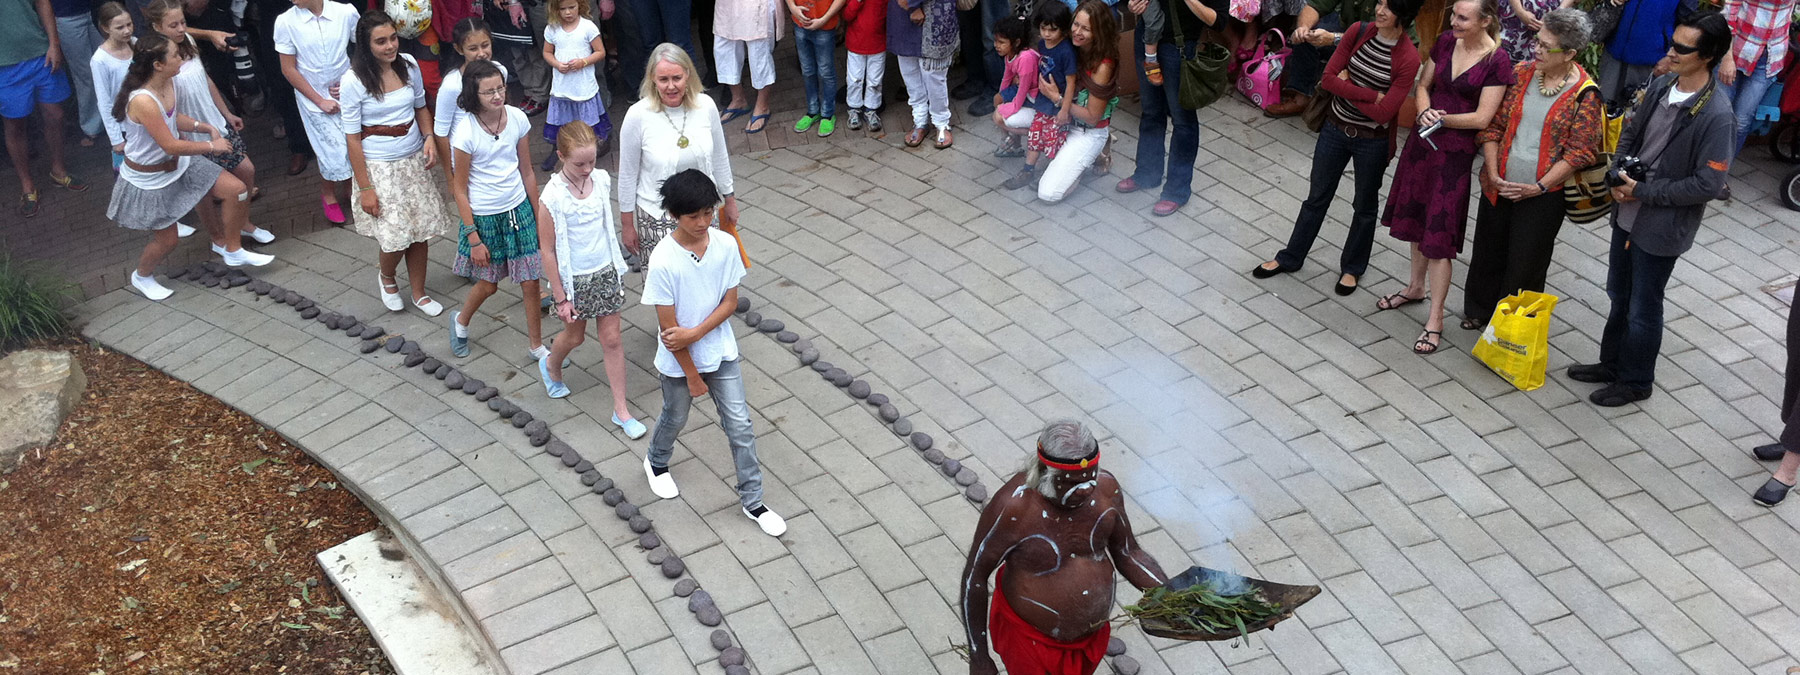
x=1269, y=427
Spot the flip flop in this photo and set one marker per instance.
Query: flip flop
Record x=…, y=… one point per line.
x=730, y=114
x=753, y=120
x=1396, y=301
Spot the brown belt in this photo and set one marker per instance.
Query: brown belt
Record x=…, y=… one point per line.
x=387, y=129
x=1358, y=131
x=154, y=168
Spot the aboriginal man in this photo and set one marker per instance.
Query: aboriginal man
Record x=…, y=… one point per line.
x=1054, y=532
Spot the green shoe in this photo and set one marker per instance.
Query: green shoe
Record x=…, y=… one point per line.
x=805, y=123
x=826, y=126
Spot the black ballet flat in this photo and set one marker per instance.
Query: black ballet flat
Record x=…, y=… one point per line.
x=1261, y=272
x=1769, y=453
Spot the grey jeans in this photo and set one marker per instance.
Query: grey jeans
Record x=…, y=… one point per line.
x=79, y=39
x=726, y=386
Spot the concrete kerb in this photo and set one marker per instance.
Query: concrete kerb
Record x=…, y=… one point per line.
x=539, y=433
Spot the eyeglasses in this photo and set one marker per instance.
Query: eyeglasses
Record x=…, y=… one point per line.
x=492, y=92
x=1681, y=48
x=1547, y=49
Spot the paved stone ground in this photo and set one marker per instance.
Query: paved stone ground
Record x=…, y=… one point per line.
x=1270, y=427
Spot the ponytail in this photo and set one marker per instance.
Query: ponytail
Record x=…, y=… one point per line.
x=452, y=59
x=149, y=50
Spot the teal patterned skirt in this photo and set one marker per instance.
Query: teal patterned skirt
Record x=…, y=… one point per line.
x=512, y=244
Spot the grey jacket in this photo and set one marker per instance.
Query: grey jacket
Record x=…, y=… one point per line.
x=1690, y=172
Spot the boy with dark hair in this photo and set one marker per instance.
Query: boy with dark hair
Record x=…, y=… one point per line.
x=692, y=282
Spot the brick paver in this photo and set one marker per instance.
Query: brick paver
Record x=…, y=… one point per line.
x=1267, y=427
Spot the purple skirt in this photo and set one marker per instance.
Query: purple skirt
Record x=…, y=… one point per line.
x=563, y=111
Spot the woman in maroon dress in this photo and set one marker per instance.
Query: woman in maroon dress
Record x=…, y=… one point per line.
x=1428, y=205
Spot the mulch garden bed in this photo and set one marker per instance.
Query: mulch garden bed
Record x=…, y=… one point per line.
x=165, y=532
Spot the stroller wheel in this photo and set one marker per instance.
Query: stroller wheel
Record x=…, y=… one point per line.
x=1785, y=143
x=1790, y=189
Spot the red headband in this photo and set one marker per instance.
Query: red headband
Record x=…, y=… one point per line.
x=1084, y=464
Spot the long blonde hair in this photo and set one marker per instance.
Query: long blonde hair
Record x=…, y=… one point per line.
x=670, y=53
x=1486, y=9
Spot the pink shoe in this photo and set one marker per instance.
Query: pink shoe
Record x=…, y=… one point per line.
x=334, y=213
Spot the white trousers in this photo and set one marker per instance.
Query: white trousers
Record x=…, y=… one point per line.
x=330, y=148
x=863, y=74
x=729, y=57
x=927, y=89
x=1021, y=120
x=1076, y=156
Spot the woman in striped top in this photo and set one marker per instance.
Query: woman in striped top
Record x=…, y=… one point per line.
x=1369, y=81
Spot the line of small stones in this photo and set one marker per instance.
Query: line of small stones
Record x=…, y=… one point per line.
x=889, y=414
x=212, y=274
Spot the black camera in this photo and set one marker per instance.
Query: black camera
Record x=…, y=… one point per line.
x=1626, y=166
x=236, y=42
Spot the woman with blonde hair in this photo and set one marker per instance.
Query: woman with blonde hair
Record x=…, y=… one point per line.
x=672, y=127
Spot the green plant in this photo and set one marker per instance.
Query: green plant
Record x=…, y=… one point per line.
x=30, y=304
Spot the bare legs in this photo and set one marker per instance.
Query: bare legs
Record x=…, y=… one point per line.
x=534, y=314
x=161, y=243
x=1434, y=276
x=415, y=268
x=224, y=214
x=53, y=141
x=738, y=99
x=1790, y=462
x=246, y=173
x=612, y=346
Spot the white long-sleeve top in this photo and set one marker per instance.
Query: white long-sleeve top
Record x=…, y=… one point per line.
x=109, y=75
x=649, y=151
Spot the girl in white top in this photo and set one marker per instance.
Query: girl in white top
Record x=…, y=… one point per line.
x=672, y=127
x=158, y=180
x=385, y=121
x=313, y=41
x=572, y=46
x=496, y=195
x=470, y=41
x=584, y=267
x=108, y=65
x=199, y=98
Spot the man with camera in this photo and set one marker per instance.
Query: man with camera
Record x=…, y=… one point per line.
x=1673, y=157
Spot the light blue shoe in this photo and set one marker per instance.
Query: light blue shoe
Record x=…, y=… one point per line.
x=553, y=388
x=458, y=345
x=633, y=429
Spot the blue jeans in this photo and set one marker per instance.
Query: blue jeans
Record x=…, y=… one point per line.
x=1635, y=282
x=1307, y=63
x=1746, y=95
x=726, y=387
x=818, y=70
x=659, y=21
x=981, y=21
x=1160, y=104
x=1333, y=152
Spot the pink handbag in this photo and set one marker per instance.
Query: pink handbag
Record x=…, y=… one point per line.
x=1259, y=77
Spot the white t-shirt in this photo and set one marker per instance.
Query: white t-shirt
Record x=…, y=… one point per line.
x=109, y=75
x=570, y=45
x=494, y=183
x=650, y=151
x=193, y=94
x=695, y=288
x=393, y=108
x=447, y=113
x=319, y=43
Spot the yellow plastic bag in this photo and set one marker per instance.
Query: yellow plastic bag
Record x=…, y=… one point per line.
x=1516, y=344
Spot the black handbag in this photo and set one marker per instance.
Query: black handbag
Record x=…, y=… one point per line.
x=1204, y=76
x=1605, y=16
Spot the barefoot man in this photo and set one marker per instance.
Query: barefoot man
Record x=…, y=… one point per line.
x=1055, y=532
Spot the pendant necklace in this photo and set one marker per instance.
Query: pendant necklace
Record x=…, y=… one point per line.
x=681, y=132
x=1544, y=84
x=491, y=132
x=578, y=189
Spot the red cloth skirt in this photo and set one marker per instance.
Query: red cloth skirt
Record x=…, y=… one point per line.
x=1027, y=651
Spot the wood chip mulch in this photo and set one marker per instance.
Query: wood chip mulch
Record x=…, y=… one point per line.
x=165, y=532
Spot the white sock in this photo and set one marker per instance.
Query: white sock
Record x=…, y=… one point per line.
x=461, y=330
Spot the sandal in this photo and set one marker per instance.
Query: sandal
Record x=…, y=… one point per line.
x=1103, y=163
x=754, y=119
x=1153, y=73
x=1425, y=346
x=1472, y=324
x=1396, y=301
x=730, y=114
x=915, y=137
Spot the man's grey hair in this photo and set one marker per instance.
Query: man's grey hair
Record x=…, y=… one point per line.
x=1571, y=27
x=1064, y=440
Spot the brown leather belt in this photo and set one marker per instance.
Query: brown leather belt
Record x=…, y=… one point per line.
x=154, y=168
x=387, y=129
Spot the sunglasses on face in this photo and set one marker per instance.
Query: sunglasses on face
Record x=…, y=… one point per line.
x=1683, y=49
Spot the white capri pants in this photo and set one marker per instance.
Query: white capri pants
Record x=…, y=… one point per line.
x=1076, y=157
x=863, y=74
x=927, y=89
x=729, y=56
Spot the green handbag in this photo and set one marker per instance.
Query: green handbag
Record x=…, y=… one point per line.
x=1204, y=76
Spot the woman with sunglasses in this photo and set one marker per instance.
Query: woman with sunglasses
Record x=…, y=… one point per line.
x=1548, y=126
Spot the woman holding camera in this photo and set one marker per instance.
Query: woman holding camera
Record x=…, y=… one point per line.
x=1458, y=93
x=1548, y=126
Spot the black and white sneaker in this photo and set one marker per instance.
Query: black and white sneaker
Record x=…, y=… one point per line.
x=662, y=483
x=771, y=524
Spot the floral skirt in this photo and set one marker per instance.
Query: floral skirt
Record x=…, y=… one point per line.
x=1429, y=202
x=512, y=244
x=651, y=231
x=412, y=209
x=598, y=294
x=229, y=159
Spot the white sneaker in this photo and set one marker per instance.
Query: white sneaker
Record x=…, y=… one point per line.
x=149, y=287
x=243, y=256
x=261, y=236
x=771, y=524
x=183, y=230
x=664, y=485
x=392, y=301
